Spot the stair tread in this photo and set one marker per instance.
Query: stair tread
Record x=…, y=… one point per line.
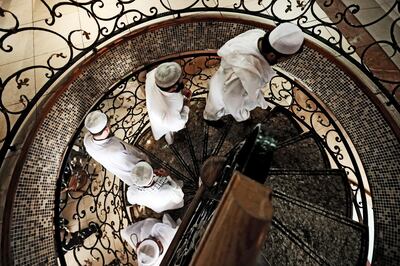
x=237, y=131
x=329, y=190
x=304, y=154
x=279, y=126
x=337, y=238
x=196, y=127
x=159, y=152
x=279, y=249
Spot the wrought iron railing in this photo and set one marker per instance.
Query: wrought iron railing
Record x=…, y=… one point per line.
x=190, y=236
x=129, y=14
x=125, y=105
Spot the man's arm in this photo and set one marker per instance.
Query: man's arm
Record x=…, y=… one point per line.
x=176, y=121
x=186, y=102
x=185, y=113
x=251, y=82
x=130, y=150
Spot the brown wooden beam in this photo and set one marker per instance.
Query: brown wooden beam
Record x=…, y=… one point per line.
x=239, y=227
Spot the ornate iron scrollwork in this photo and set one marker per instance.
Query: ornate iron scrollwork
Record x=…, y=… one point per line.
x=125, y=105
x=127, y=15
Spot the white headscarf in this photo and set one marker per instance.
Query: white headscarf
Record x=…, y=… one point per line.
x=143, y=172
x=96, y=121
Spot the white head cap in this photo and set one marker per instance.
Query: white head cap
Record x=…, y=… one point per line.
x=96, y=121
x=148, y=252
x=286, y=39
x=167, y=74
x=142, y=174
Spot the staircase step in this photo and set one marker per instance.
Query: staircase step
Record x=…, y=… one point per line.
x=337, y=238
x=281, y=248
x=162, y=155
x=294, y=139
x=326, y=188
x=304, y=154
x=237, y=131
x=274, y=124
x=197, y=132
x=279, y=126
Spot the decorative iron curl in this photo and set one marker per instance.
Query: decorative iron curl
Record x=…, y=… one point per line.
x=339, y=149
x=354, y=9
x=108, y=200
x=299, y=12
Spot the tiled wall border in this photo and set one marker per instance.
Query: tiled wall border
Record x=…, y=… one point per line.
x=32, y=201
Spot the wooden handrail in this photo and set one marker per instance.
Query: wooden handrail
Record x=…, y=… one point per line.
x=239, y=227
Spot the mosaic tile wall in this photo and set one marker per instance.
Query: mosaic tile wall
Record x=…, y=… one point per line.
x=31, y=229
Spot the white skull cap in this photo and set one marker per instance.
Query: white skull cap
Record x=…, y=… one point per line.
x=96, y=121
x=142, y=174
x=148, y=252
x=167, y=74
x=287, y=38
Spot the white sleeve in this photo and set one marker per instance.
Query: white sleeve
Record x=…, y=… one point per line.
x=131, y=195
x=167, y=219
x=140, y=155
x=176, y=121
x=185, y=113
x=250, y=81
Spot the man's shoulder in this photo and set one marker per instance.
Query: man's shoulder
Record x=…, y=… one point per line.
x=244, y=43
x=138, y=194
x=134, y=193
x=150, y=78
x=253, y=32
x=132, y=188
x=88, y=138
x=256, y=31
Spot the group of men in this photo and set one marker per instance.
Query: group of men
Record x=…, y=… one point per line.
x=149, y=187
x=235, y=89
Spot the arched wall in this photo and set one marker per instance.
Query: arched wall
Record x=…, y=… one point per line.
x=29, y=228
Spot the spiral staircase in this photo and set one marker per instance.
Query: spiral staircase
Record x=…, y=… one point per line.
x=313, y=214
x=312, y=222
x=335, y=122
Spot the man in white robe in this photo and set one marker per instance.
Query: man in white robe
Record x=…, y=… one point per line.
x=166, y=100
x=117, y=156
x=245, y=69
x=159, y=193
x=150, y=238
